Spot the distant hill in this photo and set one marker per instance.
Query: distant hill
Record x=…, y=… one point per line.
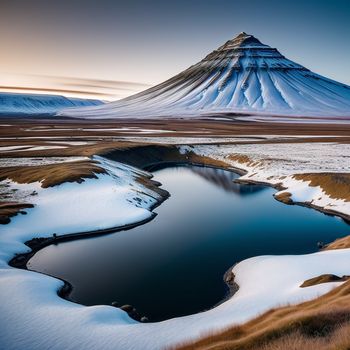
x=18, y=104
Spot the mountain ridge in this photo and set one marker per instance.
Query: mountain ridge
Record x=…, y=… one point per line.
x=242, y=76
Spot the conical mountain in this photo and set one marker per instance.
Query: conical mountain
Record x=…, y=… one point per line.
x=241, y=76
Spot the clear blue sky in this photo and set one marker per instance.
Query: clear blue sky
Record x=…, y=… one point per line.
x=149, y=41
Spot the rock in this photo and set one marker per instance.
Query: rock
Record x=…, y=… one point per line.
x=115, y=304
x=144, y=319
x=127, y=308
x=320, y=245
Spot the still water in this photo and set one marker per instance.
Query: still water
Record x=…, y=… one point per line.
x=174, y=265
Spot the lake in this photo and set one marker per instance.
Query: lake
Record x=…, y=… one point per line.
x=174, y=265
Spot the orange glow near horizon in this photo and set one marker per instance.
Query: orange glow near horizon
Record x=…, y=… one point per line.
x=106, y=90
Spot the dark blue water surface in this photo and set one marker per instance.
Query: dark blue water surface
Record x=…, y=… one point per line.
x=174, y=265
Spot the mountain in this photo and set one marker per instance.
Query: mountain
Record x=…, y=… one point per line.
x=18, y=104
x=242, y=76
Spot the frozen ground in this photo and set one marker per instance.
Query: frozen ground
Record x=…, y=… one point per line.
x=34, y=317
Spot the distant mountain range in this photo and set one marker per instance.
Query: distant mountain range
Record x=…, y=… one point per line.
x=242, y=76
x=14, y=104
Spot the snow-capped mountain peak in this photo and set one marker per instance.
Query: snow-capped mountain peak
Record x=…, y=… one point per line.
x=241, y=76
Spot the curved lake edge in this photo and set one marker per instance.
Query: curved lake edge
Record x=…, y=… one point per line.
x=36, y=244
x=20, y=260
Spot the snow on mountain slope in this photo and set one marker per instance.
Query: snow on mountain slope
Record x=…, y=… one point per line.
x=241, y=76
x=37, y=104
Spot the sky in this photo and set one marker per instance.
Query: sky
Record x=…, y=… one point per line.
x=80, y=44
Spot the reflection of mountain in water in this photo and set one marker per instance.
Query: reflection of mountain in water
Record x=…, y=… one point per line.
x=224, y=179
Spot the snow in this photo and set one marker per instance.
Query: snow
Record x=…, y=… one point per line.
x=34, y=161
x=36, y=104
x=72, y=143
x=235, y=78
x=28, y=148
x=12, y=148
x=34, y=317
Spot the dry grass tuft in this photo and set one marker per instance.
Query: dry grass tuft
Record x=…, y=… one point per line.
x=340, y=243
x=203, y=160
x=53, y=174
x=335, y=185
x=338, y=340
x=10, y=209
x=323, y=279
x=284, y=197
x=240, y=158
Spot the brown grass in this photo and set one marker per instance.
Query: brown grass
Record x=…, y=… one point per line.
x=53, y=174
x=10, y=209
x=284, y=197
x=199, y=159
x=337, y=340
x=323, y=279
x=240, y=158
x=340, y=243
x=335, y=185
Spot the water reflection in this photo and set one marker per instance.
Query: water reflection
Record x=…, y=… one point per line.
x=225, y=180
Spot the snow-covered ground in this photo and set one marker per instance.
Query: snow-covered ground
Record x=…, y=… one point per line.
x=118, y=199
x=34, y=317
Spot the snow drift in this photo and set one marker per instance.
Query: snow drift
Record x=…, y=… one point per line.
x=241, y=76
